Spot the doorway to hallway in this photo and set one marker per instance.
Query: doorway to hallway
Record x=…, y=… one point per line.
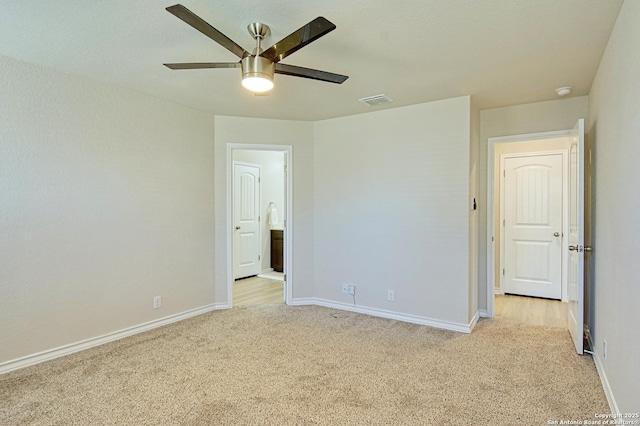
x=260, y=205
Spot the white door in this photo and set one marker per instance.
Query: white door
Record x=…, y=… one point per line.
x=532, y=223
x=576, y=237
x=246, y=220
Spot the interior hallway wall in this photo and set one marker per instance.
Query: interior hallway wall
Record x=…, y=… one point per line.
x=561, y=114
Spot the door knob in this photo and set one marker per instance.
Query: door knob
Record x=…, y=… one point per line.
x=556, y=234
x=573, y=248
x=588, y=248
x=237, y=227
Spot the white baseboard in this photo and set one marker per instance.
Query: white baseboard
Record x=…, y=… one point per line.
x=414, y=319
x=50, y=354
x=613, y=405
x=474, y=321
x=484, y=313
x=303, y=301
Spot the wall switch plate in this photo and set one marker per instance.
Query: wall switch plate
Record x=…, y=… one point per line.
x=391, y=295
x=352, y=289
x=345, y=288
x=157, y=302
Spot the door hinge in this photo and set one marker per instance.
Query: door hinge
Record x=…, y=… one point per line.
x=502, y=271
x=259, y=218
x=259, y=179
x=285, y=278
x=503, y=223
x=258, y=257
x=504, y=173
x=285, y=168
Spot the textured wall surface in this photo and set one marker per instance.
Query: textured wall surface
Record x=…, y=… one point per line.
x=391, y=209
x=106, y=200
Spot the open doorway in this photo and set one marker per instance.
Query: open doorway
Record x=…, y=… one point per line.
x=260, y=203
x=528, y=223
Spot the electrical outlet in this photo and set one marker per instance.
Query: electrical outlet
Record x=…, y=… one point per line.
x=604, y=349
x=391, y=295
x=352, y=289
x=345, y=288
x=157, y=302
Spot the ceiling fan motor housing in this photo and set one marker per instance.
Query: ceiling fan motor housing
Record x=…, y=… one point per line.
x=257, y=66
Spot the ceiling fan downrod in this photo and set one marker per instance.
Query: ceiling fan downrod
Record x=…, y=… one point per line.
x=258, y=31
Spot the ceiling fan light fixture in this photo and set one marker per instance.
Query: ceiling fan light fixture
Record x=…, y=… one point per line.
x=257, y=73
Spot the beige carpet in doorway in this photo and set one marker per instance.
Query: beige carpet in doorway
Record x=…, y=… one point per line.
x=281, y=365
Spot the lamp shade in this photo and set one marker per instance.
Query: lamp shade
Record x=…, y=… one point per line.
x=257, y=73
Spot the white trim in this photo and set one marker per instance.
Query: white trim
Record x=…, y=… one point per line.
x=491, y=142
x=613, y=405
x=474, y=321
x=288, y=235
x=302, y=301
x=531, y=136
x=483, y=313
x=414, y=319
x=58, y=352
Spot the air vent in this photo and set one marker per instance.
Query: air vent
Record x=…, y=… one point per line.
x=376, y=100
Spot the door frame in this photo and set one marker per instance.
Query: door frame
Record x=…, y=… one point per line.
x=565, y=212
x=491, y=213
x=288, y=218
x=235, y=163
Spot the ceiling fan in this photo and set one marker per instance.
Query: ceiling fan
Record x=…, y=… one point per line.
x=259, y=66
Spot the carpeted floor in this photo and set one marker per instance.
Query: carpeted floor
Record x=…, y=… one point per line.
x=280, y=365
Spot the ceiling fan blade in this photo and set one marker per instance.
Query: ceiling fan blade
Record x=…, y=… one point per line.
x=199, y=24
x=201, y=65
x=310, y=73
x=298, y=39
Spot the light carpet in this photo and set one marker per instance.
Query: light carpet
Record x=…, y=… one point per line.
x=282, y=365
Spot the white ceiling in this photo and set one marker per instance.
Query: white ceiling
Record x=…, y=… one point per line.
x=502, y=52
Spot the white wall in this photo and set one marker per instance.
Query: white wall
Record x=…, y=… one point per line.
x=614, y=128
x=392, y=209
x=298, y=134
x=561, y=114
x=272, y=190
x=106, y=201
